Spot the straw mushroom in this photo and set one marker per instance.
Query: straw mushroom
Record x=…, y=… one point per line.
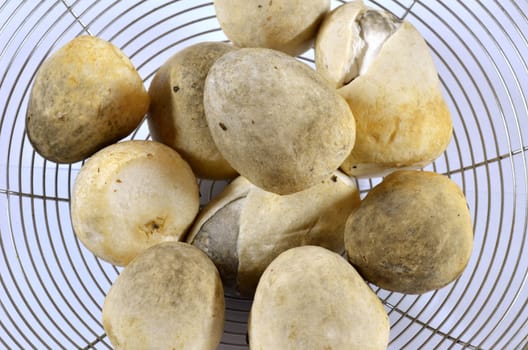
x=412, y=233
x=245, y=227
x=383, y=67
x=85, y=96
x=132, y=195
x=169, y=297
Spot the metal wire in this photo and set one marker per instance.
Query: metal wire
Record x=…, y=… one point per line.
x=52, y=288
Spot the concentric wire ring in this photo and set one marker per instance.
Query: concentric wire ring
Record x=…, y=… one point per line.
x=52, y=288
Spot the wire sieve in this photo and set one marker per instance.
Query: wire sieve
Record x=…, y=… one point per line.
x=52, y=288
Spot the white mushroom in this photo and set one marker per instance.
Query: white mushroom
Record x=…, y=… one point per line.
x=132, y=195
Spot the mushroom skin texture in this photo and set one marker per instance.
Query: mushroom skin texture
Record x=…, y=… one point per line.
x=312, y=298
x=276, y=120
x=176, y=115
x=289, y=26
x=85, y=96
x=169, y=297
x=245, y=227
x=412, y=233
x=132, y=195
x=383, y=68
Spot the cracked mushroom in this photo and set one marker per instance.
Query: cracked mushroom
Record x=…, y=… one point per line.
x=382, y=66
x=245, y=228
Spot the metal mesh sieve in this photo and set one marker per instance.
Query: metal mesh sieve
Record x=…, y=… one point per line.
x=52, y=288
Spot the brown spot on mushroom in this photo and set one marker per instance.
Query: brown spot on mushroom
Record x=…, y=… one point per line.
x=222, y=125
x=153, y=226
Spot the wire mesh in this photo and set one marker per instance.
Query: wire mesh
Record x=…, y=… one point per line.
x=52, y=288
